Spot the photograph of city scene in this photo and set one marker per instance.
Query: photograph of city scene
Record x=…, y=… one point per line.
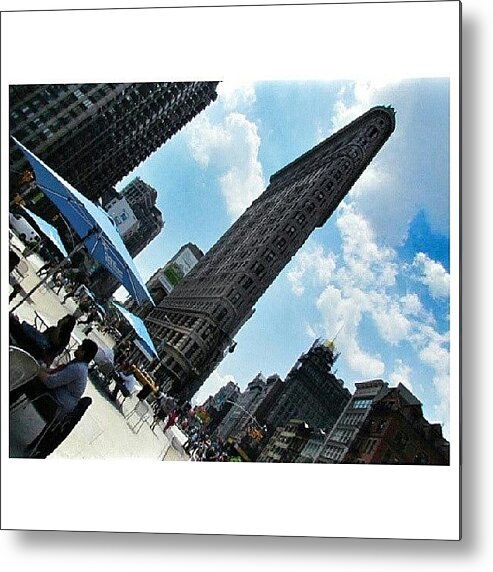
x=214, y=271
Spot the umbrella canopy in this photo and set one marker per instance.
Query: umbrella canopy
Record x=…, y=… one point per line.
x=48, y=230
x=93, y=226
x=139, y=328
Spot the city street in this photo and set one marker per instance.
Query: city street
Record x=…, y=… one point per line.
x=107, y=430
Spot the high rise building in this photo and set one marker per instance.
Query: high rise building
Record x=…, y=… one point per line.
x=199, y=319
x=228, y=392
x=159, y=285
x=162, y=282
x=93, y=135
x=243, y=412
x=311, y=391
x=141, y=200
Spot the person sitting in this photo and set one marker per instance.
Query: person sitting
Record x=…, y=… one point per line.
x=44, y=346
x=125, y=382
x=60, y=389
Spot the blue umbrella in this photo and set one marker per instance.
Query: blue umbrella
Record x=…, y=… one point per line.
x=48, y=230
x=139, y=328
x=93, y=226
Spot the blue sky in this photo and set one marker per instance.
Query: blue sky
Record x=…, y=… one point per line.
x=377, y=272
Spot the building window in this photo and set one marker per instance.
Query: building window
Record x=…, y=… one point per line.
x=290, y=230
x=246, y=282
x=269, y=255
x=300, y=218
x=372, y=132
x=220, y=313
x=206, y=333
x=361, y=403
x=191, y=350
x=234, y=296
x=310, y=206
x=280, y=242
x=258, y=268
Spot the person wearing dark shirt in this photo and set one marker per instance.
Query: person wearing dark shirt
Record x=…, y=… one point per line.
x=44, y=346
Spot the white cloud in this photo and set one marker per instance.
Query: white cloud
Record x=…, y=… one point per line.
x=364, y=95
x=343, y=314
x=366, y=262
x=310, y=332
x=437, y=357
x=232, y=145
x=389, y=318
x=312, y=264
x=235, y=94
x=360, y=361
x=401, y=374
x=433, y=275
x=411, y=304
x=211, y=386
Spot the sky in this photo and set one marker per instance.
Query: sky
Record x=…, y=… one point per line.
x=376, y=276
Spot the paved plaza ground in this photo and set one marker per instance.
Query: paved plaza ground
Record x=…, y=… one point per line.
x=107, y=430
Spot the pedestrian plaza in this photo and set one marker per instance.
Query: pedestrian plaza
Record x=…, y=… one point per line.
x=108, y=429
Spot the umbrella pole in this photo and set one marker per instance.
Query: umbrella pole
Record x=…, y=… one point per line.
x=49, y=275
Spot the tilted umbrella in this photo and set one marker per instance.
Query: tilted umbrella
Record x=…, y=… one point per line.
x=92, y=224
x=48, y=230
x=139, y=328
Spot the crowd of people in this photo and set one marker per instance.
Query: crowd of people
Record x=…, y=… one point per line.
x=201, y=447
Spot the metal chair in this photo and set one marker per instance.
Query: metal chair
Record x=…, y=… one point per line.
x=143, y=411
x=58, y=429
x=39, y=322
x=21, y=270
x=22, y=367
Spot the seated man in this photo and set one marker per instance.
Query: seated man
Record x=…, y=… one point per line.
x=125, y=382
x=65, y=384
x=60, y=390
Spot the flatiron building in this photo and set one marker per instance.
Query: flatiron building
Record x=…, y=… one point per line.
x=195, y=325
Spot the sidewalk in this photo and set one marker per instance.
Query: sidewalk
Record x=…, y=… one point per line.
x=106, y=431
